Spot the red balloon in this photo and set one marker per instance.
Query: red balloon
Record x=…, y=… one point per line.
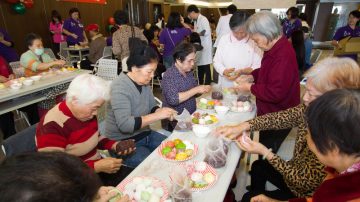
x=111, y=21
x=12, y=1
x=28, y=3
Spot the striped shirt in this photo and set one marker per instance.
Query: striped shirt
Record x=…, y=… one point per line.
x=59, y=130
x=30, y=61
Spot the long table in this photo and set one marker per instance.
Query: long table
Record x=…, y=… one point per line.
x=158, y=167
x=14, y=99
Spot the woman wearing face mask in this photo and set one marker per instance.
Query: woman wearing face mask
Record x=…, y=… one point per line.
x=301, y=175
x=74, y=29
x=35, y=60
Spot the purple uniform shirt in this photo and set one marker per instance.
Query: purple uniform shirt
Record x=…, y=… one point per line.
x=346, y=31
x=173, y=83
x=289, y=28
x=170, y=38
x=7, y=52
x=75, y=27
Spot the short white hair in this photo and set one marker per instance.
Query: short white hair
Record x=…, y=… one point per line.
x=87, y=89
x=264, y=23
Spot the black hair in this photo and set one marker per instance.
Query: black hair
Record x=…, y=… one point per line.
x=231, y=9
x=121, y=17
x=74, y=10
x=113, y=29
x=355, y=13
x=238, y=18
x=305, y=29
x=160, y=17
x=333, y=120
x=47, y=176
x=182, y=50
x=140, y=56
x=150, y=33
x=30, y=38
x=55, y=14
x=174, y=21
x=193, y=8
x=293, y=11
x=187, y=20
x=297, y=40
x=303, y=16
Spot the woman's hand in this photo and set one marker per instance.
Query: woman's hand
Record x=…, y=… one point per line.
x=3, y=79
x=11, y=76
x=246, y=144
x=59, y=62
x=165, y=113
x=262, y=198
x=243, y=87
x=74, y=36
x=201, y=89
x=105, y=194
x=108, y=165
x=233, y=132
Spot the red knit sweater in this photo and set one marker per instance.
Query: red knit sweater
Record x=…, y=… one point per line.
x=60, y=130
x=277, y=84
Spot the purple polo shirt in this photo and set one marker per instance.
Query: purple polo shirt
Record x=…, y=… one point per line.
x=7, y=52
x=173, y=83
x=170, y=38
x=346, y=31
x=289, y=28
x=74, y=26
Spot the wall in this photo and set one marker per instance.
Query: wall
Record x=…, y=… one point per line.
x=37, y=18
x=322, y=21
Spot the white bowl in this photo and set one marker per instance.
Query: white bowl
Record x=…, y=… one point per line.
x=201, y=131
x=15, y=86
x=221, y=110
x=28, y=82
x=36, y=78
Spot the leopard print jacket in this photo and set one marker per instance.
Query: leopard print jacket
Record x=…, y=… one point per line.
x=304, y=172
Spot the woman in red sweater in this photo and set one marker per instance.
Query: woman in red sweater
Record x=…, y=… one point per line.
x=276, y=84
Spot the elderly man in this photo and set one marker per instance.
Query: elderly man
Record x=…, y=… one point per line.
x=71, y=127
x=236, y=52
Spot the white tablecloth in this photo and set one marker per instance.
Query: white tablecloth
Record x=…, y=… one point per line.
x=157, y=167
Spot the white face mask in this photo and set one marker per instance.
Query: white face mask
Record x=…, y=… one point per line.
x=39, y=51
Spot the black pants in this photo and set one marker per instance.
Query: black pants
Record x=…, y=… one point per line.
x=273, y=138
x=204, y=70
x=56, y=49
x=261, y=172
x=32, y=113
x=116, y=178
x=7, y=124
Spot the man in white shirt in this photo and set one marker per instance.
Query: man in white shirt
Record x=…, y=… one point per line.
x=236, y=52
x=223, y=27
x=202, y=26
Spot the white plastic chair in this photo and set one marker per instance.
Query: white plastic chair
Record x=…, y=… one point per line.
x=17, y=69
x=63, y=53
x=124, y=67
x=107, y=69
x=107, y=52
x=50, y=53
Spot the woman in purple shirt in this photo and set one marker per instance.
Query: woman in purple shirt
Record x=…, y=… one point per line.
x=179, y=86
x=349, y=30
x=292, y=22
x=175, y=32
x=74, y=29
x=6, y=47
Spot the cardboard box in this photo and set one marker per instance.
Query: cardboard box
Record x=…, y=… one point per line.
x=350, y=45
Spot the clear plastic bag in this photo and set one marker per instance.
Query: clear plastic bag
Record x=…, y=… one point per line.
x=216, y=152
x=180, y=189
x=184, y=121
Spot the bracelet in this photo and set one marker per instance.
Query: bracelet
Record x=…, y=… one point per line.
x=267, y=153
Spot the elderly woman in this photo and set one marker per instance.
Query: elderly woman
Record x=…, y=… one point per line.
x=333, y=121
x=74, y=29
x=61, y=171
x=276, y=84
x=132, y=107
x=71, y=127
x=179, y=86
x=174, y=33
x=35, y=60
x=301, y=175
x=236, y=51
x=120, y=38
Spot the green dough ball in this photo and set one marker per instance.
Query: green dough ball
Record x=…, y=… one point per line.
x=166, y=150
x=145, y=195
x=195, y=120
x=117, y=197
x=181, y=145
